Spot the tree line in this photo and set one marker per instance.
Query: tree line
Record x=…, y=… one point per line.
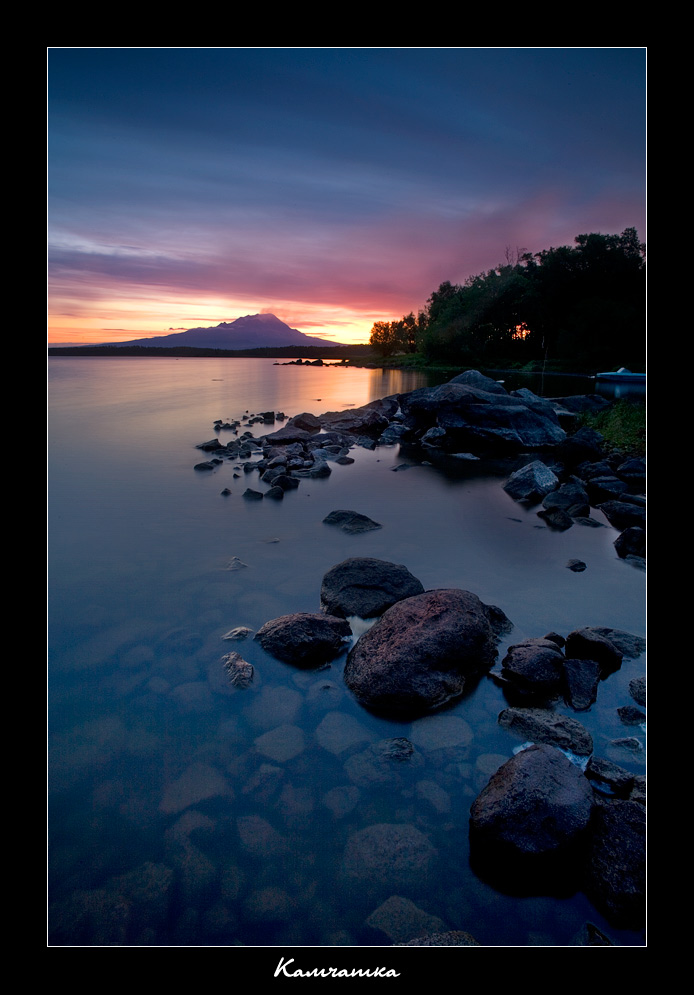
x=582, y=304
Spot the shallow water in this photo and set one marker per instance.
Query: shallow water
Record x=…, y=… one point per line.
x=183, y=812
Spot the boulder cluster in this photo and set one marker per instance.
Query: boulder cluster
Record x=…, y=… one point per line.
x=556, y=812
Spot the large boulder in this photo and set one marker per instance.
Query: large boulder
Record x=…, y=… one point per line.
x=366, y=587
x=471, y=410
x=616, y=865
x=537, y=803
x=422, y=652
x=304, y=639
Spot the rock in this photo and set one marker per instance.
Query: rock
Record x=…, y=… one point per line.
x=196, y=783
x=615, y=872
x=380, y=763
x=351, y=522
x=577, y=566
x=570, y=498
x=251, y=495
x=590, y=644
x=537, y=803
x=582, y=678
x=236, y=564
x=393, y=855
x=281, y=744
x=637, y=690
x=211, y=447
x=226, y=492
x=421, y=653
x=625, y=642
x=631, y=542
x=338, y=732
x=303, y=639
x=401, y=920
x=536, y=666
x=483, y=414
x=452, y=938
x=557, y=519
x=609, y=778
x=631, y=716
x=542, y=726
x=366, y=587
x=305, y=421
x=239, y=671
x=531, y=483
x=623, y=514
x=204, y=466
x=237, y=634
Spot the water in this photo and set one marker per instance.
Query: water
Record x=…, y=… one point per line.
x=179, y=814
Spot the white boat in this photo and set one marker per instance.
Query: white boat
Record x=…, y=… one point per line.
x=622, y=375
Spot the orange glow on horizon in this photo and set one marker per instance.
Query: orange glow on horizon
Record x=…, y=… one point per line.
x=123, y=320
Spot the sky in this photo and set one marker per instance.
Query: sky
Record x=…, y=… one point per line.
x=333, y=187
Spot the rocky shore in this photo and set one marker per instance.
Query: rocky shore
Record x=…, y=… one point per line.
x=556, y=814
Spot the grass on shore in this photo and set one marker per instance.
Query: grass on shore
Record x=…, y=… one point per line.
x=623, y=426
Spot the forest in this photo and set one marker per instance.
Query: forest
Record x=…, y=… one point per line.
x=581, y=306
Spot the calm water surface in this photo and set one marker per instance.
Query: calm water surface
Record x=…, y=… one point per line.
x=183, y=812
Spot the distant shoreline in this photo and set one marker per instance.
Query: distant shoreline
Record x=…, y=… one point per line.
x=190, y=352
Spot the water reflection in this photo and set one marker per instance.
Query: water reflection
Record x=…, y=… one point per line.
x=186, y=811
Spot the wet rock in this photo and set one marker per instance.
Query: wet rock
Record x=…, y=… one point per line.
x=531, y=483
x=391, y=855
x=631, y=716
x=625, y=642
x=556, y=518
x=577, y=566
x=421, y=653
x=609, y=778
x=237, y=634
x=615, y=874
x=304, y=639
x=211, y=447
x=623, y=514
x=537, y=803
x=275, y=493
x=536, y=666
x=631, y=542
x=582, y=678
x=236, y=564
x=204, y=466
x=590, y=644
x=351, y=522
x=251, y=495
x=637, y=690
x=570, y=498
x=366, y=587
x=239, y=671
x=305, y=421
x=542, y=726
x=401, y=920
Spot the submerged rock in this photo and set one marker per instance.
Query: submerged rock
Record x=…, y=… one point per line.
x=422, y=652
x=616, y=865
x=366, y=587
x=351, y=522
x=393, y=855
